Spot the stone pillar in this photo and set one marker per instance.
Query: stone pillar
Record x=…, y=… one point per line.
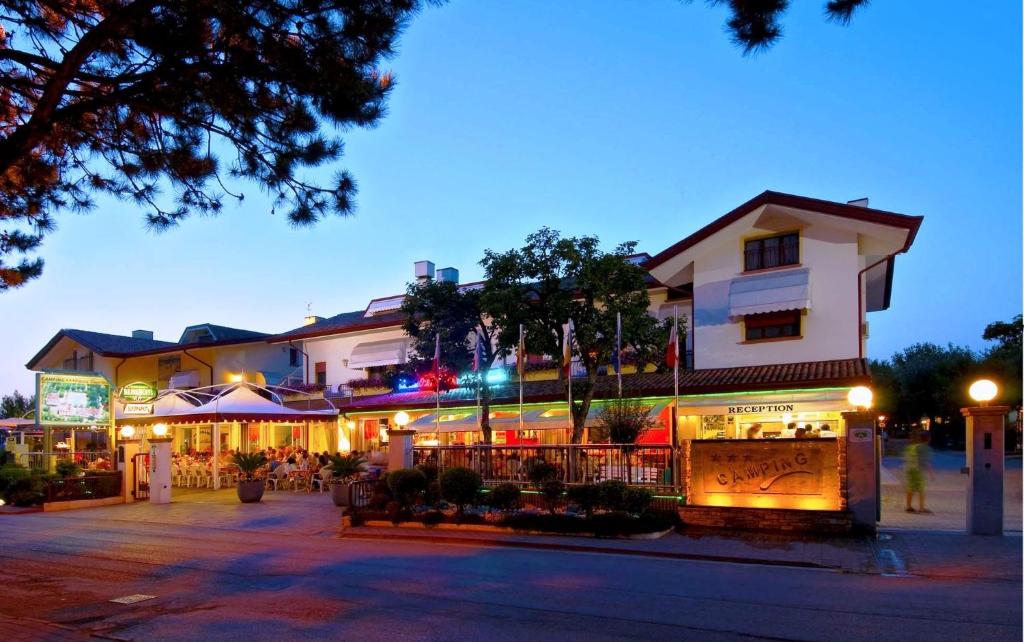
x=862, y=498
x=985, y=457
x=400, y=449
x=126, y=450
x=160, y=471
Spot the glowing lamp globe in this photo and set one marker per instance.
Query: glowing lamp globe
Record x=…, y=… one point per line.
x=983, y=391
x=860, y=397
x=160, y=430
x=351, y=425
x=127, y=432
x=401, y=419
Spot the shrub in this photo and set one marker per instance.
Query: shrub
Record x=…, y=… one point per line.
x=504, y=496
x=345, y=467
x=613, y=524
x=460, y=486
x=612, y=492
x=635, y=501
x=249, y=463
x=430, y=470
x=625, y=420
x=539, y=471
x=587, y=497
x=552, y=491
x=381, y=495
x=10, y=474
x=433, y=518
x=25, y=498
x=406, y=485
x=67, y=468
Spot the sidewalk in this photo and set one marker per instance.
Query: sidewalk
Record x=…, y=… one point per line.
x=922, y=554
x=22, y=630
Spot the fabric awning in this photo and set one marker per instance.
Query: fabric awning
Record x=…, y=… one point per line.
x=237, y=403
x=378, y=353
x=549, y=418
x=773, y=292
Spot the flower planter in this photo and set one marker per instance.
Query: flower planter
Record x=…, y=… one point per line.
x=364, y=392
x=250, y=491
x=339, y=494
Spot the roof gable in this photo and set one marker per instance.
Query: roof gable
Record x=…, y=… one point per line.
x=843, y=210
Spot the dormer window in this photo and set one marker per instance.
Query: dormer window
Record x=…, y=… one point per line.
x=771, y=252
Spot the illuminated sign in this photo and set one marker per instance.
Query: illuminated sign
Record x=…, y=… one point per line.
x=70, y=399
x=759, y=408
x=772, y=473
x=137, y=392
x=138, y=409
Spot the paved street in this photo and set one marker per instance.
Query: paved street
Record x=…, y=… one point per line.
x=279, y=571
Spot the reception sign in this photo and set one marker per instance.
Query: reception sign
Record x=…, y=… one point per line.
x=72, y=399
x=765, y=473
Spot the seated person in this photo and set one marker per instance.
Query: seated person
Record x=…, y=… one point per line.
x=754, y=432
x=826, y=431
x=789, y=432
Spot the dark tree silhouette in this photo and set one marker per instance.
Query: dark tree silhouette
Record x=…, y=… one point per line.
x=142, y=99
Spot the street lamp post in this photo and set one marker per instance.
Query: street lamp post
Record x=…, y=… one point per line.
x=985, y=456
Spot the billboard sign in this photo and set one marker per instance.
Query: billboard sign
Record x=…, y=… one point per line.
x=72, y=399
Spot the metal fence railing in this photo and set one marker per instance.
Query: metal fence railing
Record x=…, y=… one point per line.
x=648, y=466
x=84, y=458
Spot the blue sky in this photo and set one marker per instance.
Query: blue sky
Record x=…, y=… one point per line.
x=621, y=119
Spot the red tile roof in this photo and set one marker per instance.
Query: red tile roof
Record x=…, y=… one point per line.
x=815, y=374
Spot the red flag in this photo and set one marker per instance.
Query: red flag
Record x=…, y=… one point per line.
x=567, y=350
x=672, y=349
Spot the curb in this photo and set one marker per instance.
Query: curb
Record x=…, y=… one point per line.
x=578, y=548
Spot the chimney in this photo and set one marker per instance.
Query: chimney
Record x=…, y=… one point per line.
x=449, y=275
x=142, y=334
x=424, y=271
x=860, y=202
x=311, y=319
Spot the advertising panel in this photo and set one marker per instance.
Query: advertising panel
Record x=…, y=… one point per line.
x=72, y=399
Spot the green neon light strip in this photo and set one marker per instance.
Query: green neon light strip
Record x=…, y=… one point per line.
x=682, y=398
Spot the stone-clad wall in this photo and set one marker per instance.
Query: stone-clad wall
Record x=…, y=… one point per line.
x=767, y=519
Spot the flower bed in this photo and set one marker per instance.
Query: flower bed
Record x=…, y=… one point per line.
x=418, y=496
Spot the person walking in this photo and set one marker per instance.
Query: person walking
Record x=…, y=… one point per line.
x=916, y=462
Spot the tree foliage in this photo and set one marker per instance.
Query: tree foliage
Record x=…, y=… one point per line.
x=16, y=405
x=442, y=308
x=140, y=99
x=553, y=279
x=137, y=99
x=929, y=381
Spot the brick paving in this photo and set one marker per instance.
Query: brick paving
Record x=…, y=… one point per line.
x=23, y=630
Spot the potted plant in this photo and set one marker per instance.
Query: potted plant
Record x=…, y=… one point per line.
x=249, y=488
x=344, y=468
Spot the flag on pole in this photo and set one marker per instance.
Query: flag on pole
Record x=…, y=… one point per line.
x=437, y=356
x=478, y=352
x=617, y=350
x=672, y=349
x=567, y=351
x=521, y=353
x=617, y=355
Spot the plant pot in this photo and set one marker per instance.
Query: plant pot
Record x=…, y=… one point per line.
x=339, y=493
x=250, y=491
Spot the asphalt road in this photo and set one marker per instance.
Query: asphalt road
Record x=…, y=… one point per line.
x=219, y=584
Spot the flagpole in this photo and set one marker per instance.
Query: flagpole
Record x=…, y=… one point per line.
x=521, y=368
x=568, y=353
x=675, y=376
x=437, y=387
x=618, y=350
